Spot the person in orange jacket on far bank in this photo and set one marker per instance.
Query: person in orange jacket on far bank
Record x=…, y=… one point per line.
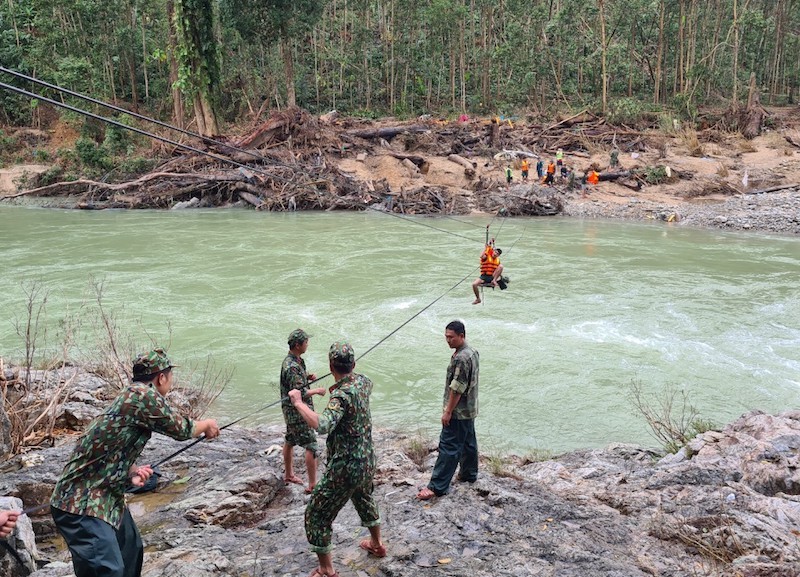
x=551, y=173
x=594, y=177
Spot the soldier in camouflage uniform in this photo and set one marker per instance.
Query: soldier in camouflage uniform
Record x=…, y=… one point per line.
x=294, y=377
x=458, y=446
x=88, y=503
x=351, y=459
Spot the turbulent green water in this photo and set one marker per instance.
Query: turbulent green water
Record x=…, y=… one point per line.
x=592, y=307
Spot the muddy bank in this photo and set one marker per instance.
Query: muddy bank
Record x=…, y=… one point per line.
x=725, y=505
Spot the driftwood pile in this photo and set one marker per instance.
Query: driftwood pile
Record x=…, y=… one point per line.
x=289, y=162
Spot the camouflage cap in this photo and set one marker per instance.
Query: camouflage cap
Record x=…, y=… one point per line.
x=341, y=352
x=151, y=363
x=298, y=336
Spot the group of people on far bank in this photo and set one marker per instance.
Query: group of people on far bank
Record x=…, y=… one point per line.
x=557, y=168
x=88, y=502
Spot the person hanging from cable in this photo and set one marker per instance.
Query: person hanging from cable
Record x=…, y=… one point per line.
x=491, y=270
x=88, y=502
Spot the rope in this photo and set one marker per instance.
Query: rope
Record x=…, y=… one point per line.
x=127, y=112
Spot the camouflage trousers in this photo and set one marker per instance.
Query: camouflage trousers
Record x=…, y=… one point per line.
x=330, y=495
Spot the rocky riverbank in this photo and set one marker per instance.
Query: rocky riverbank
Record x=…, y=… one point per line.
x=773, y=212
x=725, y=505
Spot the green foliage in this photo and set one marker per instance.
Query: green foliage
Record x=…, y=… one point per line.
x=655, y=174
x=117, y=140
x=8, y=144
x=52, y=175
x=407, y=55
x=135, y=165
x=625, y=111
x=684, y=106
x=40, y=155
x=92, y=155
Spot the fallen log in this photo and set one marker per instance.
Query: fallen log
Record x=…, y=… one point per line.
x=251, y=198
x=417, y=160
x=387, y=133
x=774, y=189
x=469, y=167
x=413, y=171
x=614, y=175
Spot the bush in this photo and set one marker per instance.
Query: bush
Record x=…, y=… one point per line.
x=625, y=111
x=136, y=165
x=672, y=419
x=91, y=155
x=117, y=140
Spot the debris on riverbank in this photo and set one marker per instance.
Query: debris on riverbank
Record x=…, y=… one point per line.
x=296, y=161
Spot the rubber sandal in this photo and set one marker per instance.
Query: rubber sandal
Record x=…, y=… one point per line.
x=379, y=551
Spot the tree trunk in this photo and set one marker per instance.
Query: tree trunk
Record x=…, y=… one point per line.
x=288, y=69
x=603, y=54
x=177, y=97
x=660, y=55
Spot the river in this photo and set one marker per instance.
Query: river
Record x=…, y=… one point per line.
x=592, y=307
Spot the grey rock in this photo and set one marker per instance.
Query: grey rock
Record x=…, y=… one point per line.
x=730, y=500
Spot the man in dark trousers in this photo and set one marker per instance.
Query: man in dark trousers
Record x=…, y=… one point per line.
x=351, y=459
x=458, y=446
x=88, y=502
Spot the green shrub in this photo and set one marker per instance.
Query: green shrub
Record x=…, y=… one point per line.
x=51, y=175
x=625, y=111
x=117, y=140
x=91, y=155
x=136, y=165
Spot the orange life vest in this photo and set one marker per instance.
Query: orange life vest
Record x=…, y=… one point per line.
x=490, y=263
x=525, y=165
x=551, y=168
x=594, y=177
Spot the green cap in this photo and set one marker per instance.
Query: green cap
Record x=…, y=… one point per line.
x=151, y=363
x=297, y=337
x=341, y=352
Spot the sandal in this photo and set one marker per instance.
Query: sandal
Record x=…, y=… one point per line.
x=318, y=573
x=366, y=545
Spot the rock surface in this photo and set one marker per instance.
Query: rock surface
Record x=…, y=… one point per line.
x=727, y=505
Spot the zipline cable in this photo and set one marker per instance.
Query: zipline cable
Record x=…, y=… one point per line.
x=362, y=355
x=153, y=136
x=208, y=139
x=128, y=112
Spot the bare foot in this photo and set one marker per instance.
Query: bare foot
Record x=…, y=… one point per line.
x=476, y=302
x=309, y=489
x=293, y=479
x=425, y=494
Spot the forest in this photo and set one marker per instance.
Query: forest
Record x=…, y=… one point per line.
x=207, y=63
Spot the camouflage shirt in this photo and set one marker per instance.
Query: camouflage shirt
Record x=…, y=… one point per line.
x=294, y=376
x=93, y=482
x=348, y=423
x=462, y=377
